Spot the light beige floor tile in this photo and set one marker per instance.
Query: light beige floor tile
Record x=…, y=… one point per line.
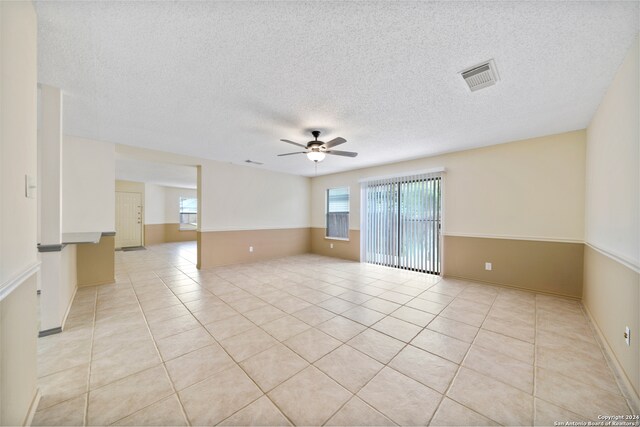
x=429, y=369
x=229, y=327
x=574, y=396
x=408, y=290
x=401, y=399
x=358, y=413
x=312, y=344
x=336, y=305
x=546, y=414
x=219, y=396
x=261, y=412
x=341, y=328
x=426, y=305
x=453, y=328
x=128, y=395
x=447, y=287
x=313, y=315
x=285, y=327
x=112, y=366
x=166, y=412
x=213, y=314
x=184, y=342
x=193, y=367
x=381, y=305
x=396, y=297
x=436, y=297
x=377, y=345
x=463, y=315
x=291, y=304
x=160, y=314
x=512, y=328
x=173, y=326
x=442, y=345
x=363, y=315
x=349, y=367
x=246, y=344
x=63, y=385
x=355, y=297
x=588, y=370
x=68, y=413
x=508, y=346
x=451, y=413
x=264, y=314
x=412, y=315
x=273, y=366
x=500, y=367
x=492, y=398
x=310, y=397
x=396, y=328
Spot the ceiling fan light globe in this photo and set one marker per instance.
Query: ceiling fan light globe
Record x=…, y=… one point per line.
x=316, y=156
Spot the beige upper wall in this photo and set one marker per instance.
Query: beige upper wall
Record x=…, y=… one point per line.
x=154, y=203
x=238, y=197
x=18, y=138
x=525, y=189
x=88, y=184
x=245, y=198
x=613, y=165
x=172, y=202
x=162, y=204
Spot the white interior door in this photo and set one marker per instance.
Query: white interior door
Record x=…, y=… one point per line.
x=128, y=219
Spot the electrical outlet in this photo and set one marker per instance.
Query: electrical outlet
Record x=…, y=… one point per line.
x=331, y=245
x=250, y=248
x=488, y=266
x=627, y=335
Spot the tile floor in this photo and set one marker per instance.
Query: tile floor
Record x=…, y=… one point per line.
x=310, y=340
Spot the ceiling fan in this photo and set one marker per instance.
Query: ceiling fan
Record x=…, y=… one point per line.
x=316, y=150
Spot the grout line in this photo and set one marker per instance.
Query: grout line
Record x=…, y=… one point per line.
x=85, y=418
x=535, y=358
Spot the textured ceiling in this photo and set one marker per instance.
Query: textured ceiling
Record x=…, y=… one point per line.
x=227, y=80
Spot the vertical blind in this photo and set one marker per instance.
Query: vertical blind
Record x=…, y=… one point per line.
x=401, y=221
x=338, y=212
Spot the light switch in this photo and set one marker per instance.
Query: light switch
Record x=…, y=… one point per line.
x=29, y=187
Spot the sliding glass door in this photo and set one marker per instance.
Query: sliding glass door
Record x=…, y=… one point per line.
x=402, y=222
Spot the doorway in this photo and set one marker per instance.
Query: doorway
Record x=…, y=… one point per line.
x=128, y=219
x=401, y=222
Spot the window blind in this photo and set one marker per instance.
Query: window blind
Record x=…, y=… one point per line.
x=401, y=221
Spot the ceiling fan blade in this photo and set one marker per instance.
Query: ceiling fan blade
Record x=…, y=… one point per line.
x=294, y=143
x=334, y=142
x=342, y=153
x=288, y=154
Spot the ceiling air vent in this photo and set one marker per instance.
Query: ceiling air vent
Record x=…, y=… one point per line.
x=481, y=75
x=253, y=162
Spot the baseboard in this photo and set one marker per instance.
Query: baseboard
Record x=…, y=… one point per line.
x=33, y=408
x=66, y=314
x=519, y=288
x=48, y=332
x=633, y=400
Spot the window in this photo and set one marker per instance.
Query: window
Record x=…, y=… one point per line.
x=338, y=213
x=188, y=213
